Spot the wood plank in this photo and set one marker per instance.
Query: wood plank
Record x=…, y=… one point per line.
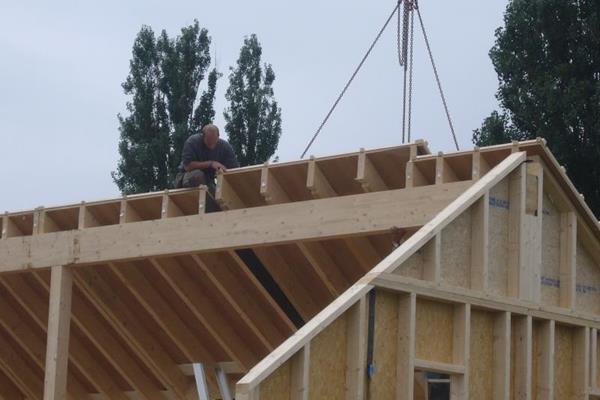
x=368, y=213
x=356, y=350
x=129, y=327
x=461, y=339
x=443, y=171
x=480, y=243
x=59, y=323
x=439, y=367
x=414, y=176
x=501, y=360
x=161, y=311
x=581, y=363
x=316, y=182
x=367, y=175
x=225, y=194
x=238, y=297
x=18, y=371
x=545, y=361
x=405, y=370
x=325, y=267
x=285, y=276
x=568, y=259
x=594, y=358
x=270, y=189
x=300, y=383
x=203, y=309
x=432, y=259
x=517, y=270
x=522, y=342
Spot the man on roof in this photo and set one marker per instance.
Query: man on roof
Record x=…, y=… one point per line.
x=204, y=154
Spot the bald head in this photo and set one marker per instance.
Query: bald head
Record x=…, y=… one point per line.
x=210, y=135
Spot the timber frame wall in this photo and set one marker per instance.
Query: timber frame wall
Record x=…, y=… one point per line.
x=482, y=265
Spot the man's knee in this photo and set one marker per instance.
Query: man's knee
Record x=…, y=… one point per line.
x=194, y=178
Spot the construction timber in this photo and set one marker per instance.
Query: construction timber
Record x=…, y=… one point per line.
x=354, y=276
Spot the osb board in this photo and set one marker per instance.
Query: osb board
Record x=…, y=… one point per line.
x=550, y=254
x=413, y=267
x=456, y=251
x=327, y=375
x=498, y=242
x=434, y=330
x=563, y=362
x=277, y=385
x=481, y=371
x=588, y=282
x=382, y=384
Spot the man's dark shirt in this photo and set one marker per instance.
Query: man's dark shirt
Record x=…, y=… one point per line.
x=194, y=149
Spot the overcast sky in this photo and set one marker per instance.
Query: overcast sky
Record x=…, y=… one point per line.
x=62, y=64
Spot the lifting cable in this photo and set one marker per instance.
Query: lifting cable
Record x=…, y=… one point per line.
x=405, y=44
x=387, y=22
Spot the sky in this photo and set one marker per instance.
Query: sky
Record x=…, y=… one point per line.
x=62, y=64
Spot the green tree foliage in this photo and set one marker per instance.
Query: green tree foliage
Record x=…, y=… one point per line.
x=163, y=82
x=547, y=57
x=253, y=118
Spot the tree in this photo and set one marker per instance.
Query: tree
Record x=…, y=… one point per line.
x=164, y=78
x=547, y=57
x=253, y=118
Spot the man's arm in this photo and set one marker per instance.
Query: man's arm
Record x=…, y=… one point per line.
x=192, y=165
x=229, y=159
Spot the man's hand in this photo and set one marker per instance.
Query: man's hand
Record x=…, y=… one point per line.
x=217, y=166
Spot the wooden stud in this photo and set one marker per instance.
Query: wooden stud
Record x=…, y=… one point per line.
x=59, y=322
x=443, y=172
x=367, y=175
x=480, y=243
x=593, y=359
x=128, y=212
x=432, y=251
x=480, y=166
x=522, y=342
x=414, y=177
x=568, y=259
x=168, y=208
x=581, y=363
x=545, y=361
x=225, y=194
x=461, y=339
x=356, y=352
x=532, y=234
x=270, y=189
x=4, y=226
x=405, y=370
x=316, y=182
x=300, y=385
x=518, y=284
x=501, y=358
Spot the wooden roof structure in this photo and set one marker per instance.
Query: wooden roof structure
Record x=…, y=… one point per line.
x=132, y=297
